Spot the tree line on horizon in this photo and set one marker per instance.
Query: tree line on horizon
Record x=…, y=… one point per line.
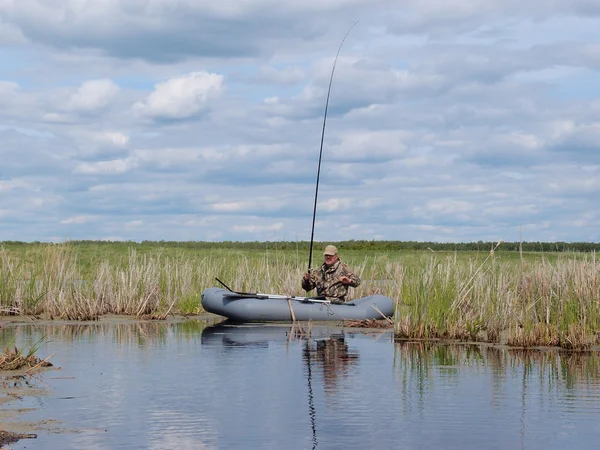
x=358, y=245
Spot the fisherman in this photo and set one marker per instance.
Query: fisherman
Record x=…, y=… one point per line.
x=332, y=279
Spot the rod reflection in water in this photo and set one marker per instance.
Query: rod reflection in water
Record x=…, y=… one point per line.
x=324, y=351
x=331, y=357
x=311, y=402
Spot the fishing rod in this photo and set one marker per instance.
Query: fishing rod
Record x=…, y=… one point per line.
x=312, y=234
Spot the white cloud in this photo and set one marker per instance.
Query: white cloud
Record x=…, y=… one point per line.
x=181, y=97
x=8, y=87
x=92, y=95
x=256, y=205
x=230, y=207
x=117, y=166
x=446, y=206
x=78, y=220
x=8, y=185
x=335, y=204
x=370, y=145
x=202, y=120
x=255, y=229
x=285, y=76
x=57, y=118
x=114, y=138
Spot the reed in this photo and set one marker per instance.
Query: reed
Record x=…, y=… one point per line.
x=13, y=358
x=547, y=304
x=519, y=299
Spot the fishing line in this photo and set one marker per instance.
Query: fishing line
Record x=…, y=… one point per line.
x=312, y=234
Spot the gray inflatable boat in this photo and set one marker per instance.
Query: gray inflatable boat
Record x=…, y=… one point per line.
x=250, y=307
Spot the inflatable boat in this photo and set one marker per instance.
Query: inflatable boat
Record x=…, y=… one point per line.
x=256, y=307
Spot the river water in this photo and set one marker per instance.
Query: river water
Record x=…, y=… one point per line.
x=192, y=385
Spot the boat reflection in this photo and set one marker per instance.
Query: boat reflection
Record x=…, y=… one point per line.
x=231, y=335
x=325, y=353
x=333, y=359
x=325, y=347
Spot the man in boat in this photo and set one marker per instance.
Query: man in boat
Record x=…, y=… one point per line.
x=332, y=279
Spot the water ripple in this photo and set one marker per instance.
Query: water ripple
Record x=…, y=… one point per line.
x=271, y=387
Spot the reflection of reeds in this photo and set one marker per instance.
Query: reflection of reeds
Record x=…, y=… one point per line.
x=417, y=360
x=120, y=331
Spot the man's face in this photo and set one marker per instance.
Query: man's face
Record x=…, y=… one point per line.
x=330, y=259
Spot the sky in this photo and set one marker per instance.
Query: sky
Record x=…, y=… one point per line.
x=195, y=120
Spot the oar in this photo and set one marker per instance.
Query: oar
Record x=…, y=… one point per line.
x=271, y=296
x=250, y=294
x=312, y=233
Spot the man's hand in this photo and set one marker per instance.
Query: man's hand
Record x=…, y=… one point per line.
x=307, y=276
x=345, y=280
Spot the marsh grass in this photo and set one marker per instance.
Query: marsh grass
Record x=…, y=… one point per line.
x=523, y=305
x=520, y=299
x=13, y=358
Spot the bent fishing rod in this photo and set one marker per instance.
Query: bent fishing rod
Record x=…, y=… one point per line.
x=312, y=234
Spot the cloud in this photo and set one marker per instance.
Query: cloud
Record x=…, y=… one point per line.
x=203, y=120
x=167, y=32
x=92, y=96
x=254, y=229
x=76, y=220
x=8, y=88
x=336, y=204
x=283, y=76
x=449, y=20
x=581, y=141
x=116, y=139
x=181, y=97
x=370, y=146
x=117, y=166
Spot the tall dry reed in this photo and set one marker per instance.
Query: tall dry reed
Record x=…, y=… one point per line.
x=522, y=305
x=482, y=297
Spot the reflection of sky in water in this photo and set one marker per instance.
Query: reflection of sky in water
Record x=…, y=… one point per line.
x=163, y=386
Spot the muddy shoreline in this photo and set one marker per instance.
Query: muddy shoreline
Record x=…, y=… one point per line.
x=15, y=387
x=8, y=320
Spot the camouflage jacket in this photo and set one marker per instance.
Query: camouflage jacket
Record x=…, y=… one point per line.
x=326, y=280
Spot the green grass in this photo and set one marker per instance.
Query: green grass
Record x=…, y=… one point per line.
x=522, y=299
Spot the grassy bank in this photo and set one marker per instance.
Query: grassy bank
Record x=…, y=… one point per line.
x=542, y=301
x=521, y=298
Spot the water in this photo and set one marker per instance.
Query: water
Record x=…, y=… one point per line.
x=189, y=386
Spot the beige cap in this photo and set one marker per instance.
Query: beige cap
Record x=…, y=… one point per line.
x=330, y=250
